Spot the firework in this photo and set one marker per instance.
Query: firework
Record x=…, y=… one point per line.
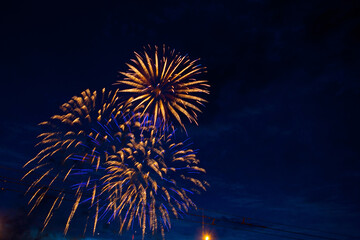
x=163, y=83
x=116, y=163
x=74, y=145
x=152, y=179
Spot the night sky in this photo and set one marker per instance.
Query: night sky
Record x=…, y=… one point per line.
x=279, y=137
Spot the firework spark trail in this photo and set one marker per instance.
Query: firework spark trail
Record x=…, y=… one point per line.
x=149, y=168
x=163, y=84
x=72, y=148
x=122, y=165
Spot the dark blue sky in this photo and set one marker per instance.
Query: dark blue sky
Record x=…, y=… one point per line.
x=279, y=137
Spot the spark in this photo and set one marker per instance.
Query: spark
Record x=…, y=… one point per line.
x=163, y=83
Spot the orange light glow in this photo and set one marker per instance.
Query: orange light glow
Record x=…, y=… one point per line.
x=207, y=237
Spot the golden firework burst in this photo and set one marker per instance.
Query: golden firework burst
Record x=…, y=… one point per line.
x=164, y=84
x=75, y=143
x=152, y=179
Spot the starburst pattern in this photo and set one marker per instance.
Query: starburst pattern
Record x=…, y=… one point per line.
x=151, y=179
x=163, y=83
x=75, y=144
